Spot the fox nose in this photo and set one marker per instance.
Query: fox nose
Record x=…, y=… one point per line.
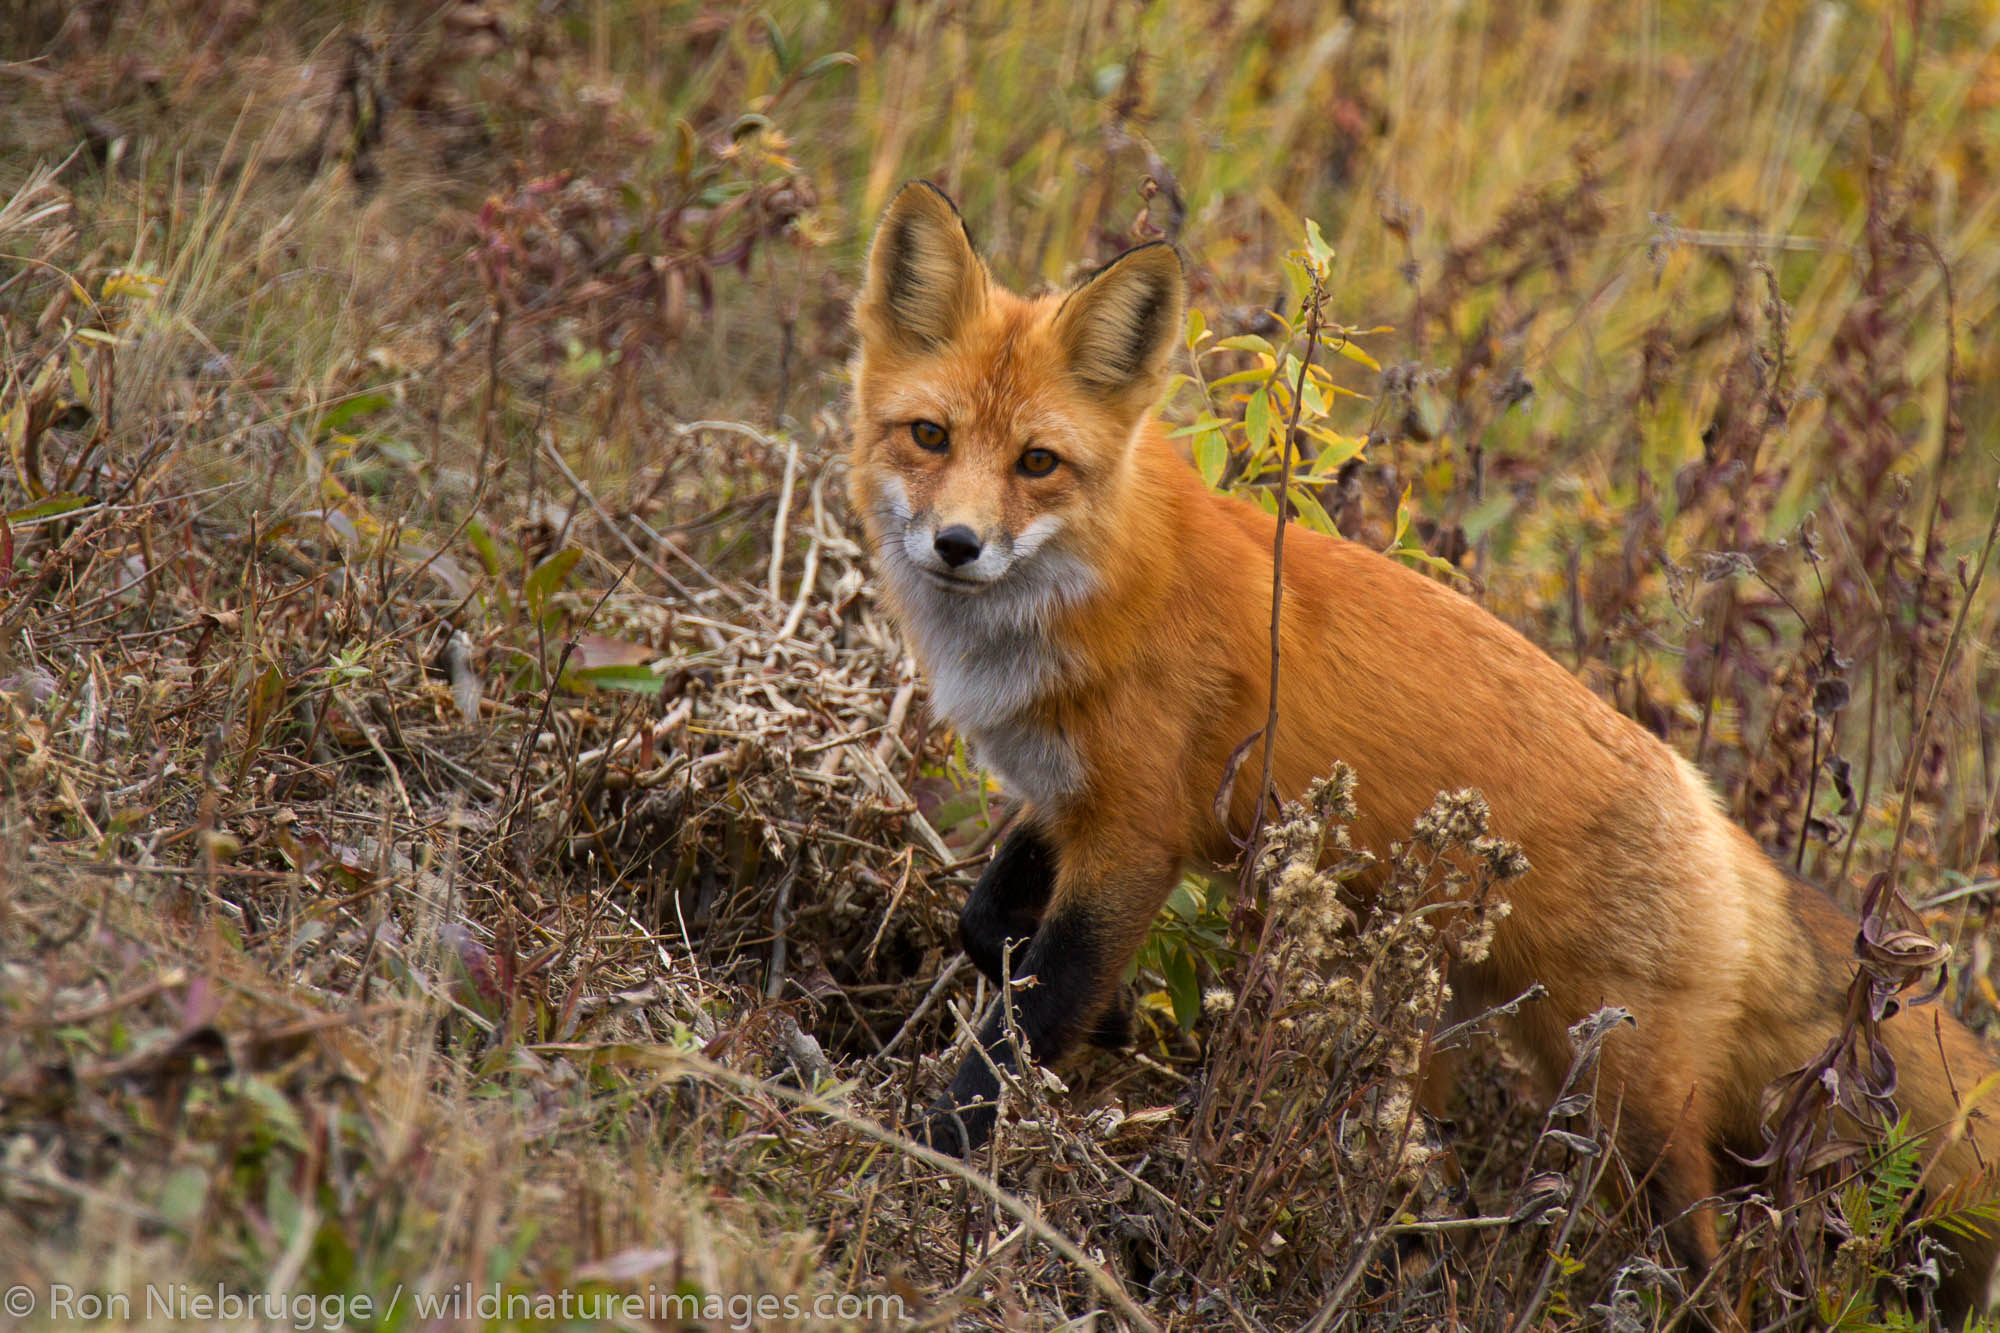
x=958, y=545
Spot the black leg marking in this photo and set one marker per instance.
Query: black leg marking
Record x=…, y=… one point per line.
x=1007, y=903
x=1067, y=959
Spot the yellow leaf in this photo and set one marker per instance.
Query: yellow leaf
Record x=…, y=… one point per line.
x=1317, y=249
x=1197, y=327
x=1312, y=513
x=1353, y=353
x=123, y=282
x=1246, y=342
x=1262, y=372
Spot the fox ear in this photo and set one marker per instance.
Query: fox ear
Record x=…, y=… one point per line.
x=924, y=281
x=1119, y=326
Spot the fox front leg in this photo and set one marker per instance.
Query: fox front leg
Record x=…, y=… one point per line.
x=1005, y=907
x=1006, y=904
x=1063, y=980
x=1066, y=981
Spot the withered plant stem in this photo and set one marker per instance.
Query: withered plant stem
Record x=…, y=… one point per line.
x=517, y=788
x=496, y=325
x=1249, y=873
x=1945, y=660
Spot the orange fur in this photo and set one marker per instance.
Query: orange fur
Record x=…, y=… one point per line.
x=1141, y=657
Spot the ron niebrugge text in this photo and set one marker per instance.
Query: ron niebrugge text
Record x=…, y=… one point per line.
x=186, y=1302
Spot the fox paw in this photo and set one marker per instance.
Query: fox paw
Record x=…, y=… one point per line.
x=956, y=1131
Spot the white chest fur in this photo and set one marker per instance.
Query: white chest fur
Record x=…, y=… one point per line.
x=1033, y=762
x=987, y=673
x=990, y=662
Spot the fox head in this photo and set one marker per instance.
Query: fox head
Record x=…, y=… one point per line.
x=992, y=433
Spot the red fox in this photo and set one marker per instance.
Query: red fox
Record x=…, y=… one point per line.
x=1095, y=621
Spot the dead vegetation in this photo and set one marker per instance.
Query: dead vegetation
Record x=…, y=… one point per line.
x=467, y=820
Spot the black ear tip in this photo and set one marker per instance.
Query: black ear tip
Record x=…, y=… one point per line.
x=938, y=190
x=1145, y=254
x=911, y=187
x=913, y=192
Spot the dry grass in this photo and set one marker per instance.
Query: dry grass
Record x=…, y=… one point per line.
x=467, y=818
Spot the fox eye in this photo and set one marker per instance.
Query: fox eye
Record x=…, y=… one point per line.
x=1038, y=462
x=929, y=435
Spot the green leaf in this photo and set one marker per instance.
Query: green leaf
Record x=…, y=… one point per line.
x=1299, y=280
x=548, y=578
x=782, y=47
x=1246, y=342
x=1183, y=987
x=1257, y=420
x=1315, y=401
x=1207, y=421
x=79, y=374
x=1312, y=512
x=1197, y=327
x=1211, y=456
x=183, y=1195
x=1335, y=450
x=360, y=405
x=483, y=545
x=281, y=1205
x=630, y=679
x=398, y=451
x=583, y=362
x=1488, y=514
x=1417, y=555
x=1317, y=249
x=819, y=65
x=55, y=505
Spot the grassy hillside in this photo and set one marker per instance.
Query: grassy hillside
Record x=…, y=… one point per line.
x=471, y=832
